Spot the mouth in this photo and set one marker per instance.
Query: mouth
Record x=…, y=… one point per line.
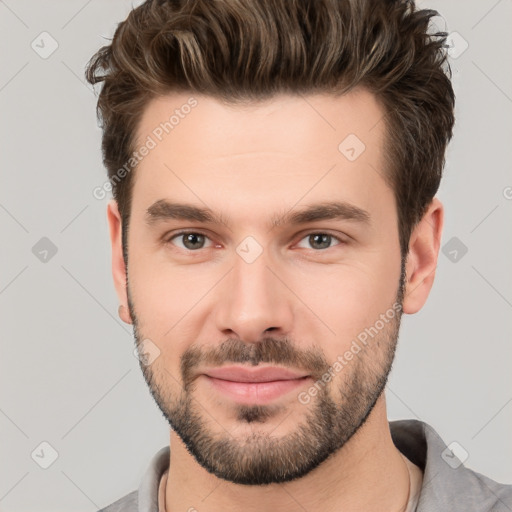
x=256, y=386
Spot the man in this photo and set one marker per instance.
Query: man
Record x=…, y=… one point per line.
x=274, y=165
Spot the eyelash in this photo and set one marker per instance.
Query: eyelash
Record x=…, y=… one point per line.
x=168, y=240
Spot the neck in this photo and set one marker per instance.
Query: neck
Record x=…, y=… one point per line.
x=368, y=473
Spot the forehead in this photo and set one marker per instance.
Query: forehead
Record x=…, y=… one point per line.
x=278, y=150
x=208, y=125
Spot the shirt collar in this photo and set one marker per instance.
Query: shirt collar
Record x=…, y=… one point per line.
x=447, y=483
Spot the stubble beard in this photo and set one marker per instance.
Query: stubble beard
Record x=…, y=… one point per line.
x=262, y=458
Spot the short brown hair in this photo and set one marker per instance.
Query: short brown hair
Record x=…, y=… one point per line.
x=250, y=50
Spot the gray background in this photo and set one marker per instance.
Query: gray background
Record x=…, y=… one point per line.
x=68, y=375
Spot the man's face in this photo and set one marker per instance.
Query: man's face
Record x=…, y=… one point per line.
x=250, y=314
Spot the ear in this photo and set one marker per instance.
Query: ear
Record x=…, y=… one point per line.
x=422, y=258
x=118, y=263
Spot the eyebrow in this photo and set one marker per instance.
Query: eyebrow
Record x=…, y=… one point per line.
x=163, y=210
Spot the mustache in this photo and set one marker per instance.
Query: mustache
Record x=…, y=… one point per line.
x=281, y=352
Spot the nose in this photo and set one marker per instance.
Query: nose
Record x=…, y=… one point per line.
x=254, y=301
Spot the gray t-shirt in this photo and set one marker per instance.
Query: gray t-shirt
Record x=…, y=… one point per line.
x=446, y=484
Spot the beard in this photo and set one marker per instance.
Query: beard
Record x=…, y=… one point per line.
x=327, y=423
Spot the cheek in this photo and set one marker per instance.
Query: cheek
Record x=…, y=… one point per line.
x=171, y=305
x=163, y=292
x=158, y=315
x=348, y=298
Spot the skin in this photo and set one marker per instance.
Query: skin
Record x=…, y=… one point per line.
x=251, y=164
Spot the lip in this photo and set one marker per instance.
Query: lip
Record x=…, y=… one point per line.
x=254, y=385
x=253, y=375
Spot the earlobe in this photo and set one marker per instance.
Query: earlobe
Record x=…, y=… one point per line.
x=118, y=263
x=124, y=314
x=422, y=258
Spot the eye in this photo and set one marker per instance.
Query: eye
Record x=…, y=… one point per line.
x=190, y=240
x=320, y=241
